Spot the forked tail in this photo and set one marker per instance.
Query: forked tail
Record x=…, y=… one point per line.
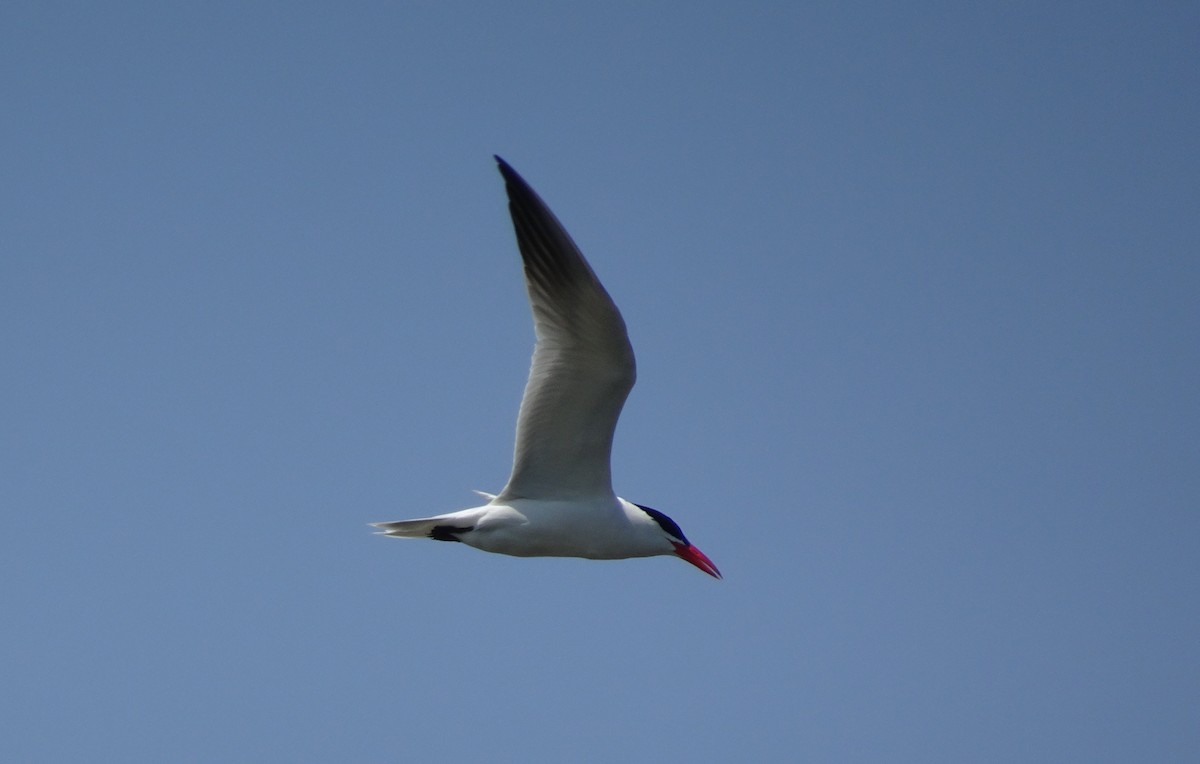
x=437, y=528
x=409, y=529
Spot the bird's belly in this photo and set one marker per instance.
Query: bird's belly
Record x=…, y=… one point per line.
x=546, y=532
x=545, y=545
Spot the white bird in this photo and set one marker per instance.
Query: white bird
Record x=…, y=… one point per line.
x=559, y=500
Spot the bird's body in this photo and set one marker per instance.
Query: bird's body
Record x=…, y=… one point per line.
x=559, y=501
x=598, y=528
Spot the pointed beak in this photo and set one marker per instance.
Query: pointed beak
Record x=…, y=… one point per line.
x=697, y=558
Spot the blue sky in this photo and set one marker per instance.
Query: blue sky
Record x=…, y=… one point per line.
x=913, y=289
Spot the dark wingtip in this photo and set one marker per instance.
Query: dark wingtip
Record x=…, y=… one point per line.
x=512, y=178
x=519, y=189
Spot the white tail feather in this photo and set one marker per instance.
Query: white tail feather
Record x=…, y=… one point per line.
x=411, y=529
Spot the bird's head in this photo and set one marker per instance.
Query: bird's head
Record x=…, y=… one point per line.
x=683, y=548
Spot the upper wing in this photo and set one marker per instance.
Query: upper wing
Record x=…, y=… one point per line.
x=583, y=367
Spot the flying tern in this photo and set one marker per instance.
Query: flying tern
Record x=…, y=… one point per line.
x=559, y=500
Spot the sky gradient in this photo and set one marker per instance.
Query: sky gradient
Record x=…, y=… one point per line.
x=913, y=289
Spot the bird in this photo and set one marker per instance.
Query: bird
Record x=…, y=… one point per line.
x=559, y=500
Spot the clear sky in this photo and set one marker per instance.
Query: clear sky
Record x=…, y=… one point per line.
x=914, y=292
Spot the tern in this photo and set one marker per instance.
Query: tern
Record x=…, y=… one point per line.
x=559, y=500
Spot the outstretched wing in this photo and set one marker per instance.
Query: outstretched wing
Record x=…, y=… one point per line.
x=583, y=366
